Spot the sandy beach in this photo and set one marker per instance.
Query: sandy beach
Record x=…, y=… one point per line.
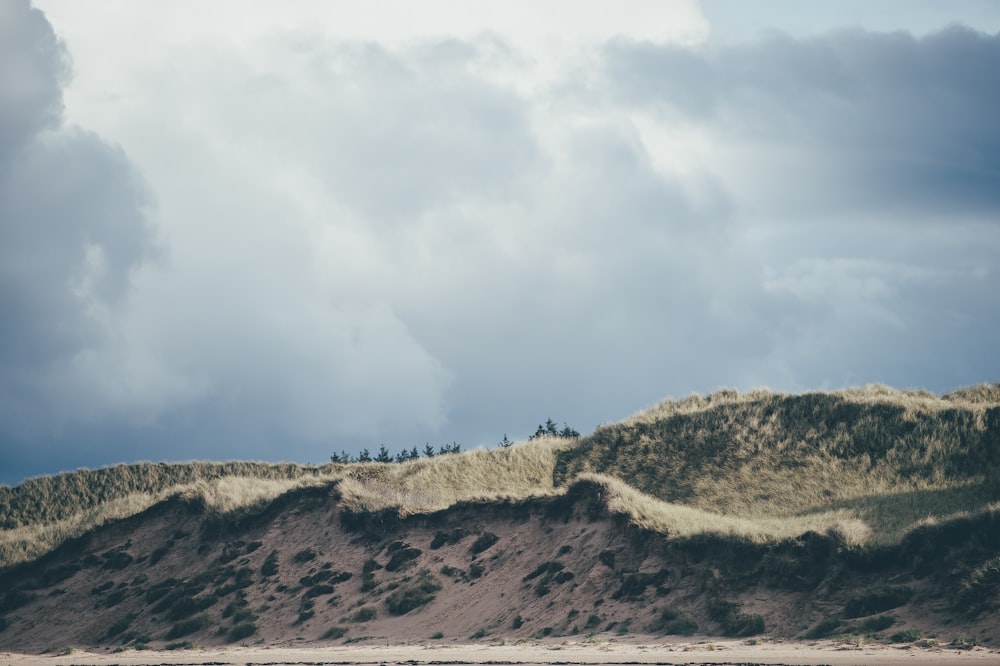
x=536, y=652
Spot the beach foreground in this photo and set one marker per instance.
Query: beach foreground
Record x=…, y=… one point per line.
x=568, y=652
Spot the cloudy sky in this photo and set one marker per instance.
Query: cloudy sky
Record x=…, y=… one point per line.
x=259, y=230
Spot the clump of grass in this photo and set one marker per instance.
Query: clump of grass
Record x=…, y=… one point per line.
x=876, y=600
x=448, y=538
x=671, y=622
x=635, y=584
x=240, y=631
x=484, y=542
x=270, y=565
x=878, y=623
x=401, y=555
x=734, y=622
x=905, y=636
x=548, y=573
x=364, y=614
x=368, y=570
x=189, y=626
x=333, y=633
x=980, y=590
x=304, y=555
x=827, y=627
x=412, y=595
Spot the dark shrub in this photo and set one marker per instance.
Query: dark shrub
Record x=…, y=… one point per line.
x=305, y=555
x=402, y=557
x=241, y=631
x=826, y=627
x=333, y=633
x=635, y=584
x=485, y=541
x=733, y=622
x=672, y=622
x=448, y=538
x=544, y=568
x=413, y=594
x=877, y=600
x=318, y=590
x=270, y=566
x=188, y=626
x=116, y=560
x=364, y=614
x=119, y=626
x=905, y=636
x=17, y=598
x=878, y=623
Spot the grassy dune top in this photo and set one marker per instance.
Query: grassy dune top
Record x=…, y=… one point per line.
x=869, y=464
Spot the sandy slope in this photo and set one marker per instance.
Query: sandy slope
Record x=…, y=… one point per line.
x=539, y=652
x=117, y=577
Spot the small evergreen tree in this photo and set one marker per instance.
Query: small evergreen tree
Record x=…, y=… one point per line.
x=506, y=443
x=550, y=429
x=365, y=455
x=383, y=455
x=429, y=450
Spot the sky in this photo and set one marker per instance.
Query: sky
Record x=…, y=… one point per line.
x=275, y=231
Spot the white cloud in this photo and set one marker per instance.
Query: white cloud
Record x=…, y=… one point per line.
x=468, y=219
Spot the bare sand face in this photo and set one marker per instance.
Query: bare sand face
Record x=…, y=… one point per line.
x=537, y=652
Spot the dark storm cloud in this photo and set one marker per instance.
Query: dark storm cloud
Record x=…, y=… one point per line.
x=33, y=67
x=897, y=121
x=72, y=230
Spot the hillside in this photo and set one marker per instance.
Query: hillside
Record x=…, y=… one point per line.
x=864, y=512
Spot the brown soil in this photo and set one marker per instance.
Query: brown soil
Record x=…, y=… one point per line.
x=570, y=581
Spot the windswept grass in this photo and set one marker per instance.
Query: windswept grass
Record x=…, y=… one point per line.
x=430, y=484
x=861, y=460
x=416, y=486
x=868, y=464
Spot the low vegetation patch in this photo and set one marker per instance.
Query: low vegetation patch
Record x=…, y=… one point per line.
x=240, y=631
x=189, y=626
x=734, y=622
x=635, y=584
x=270, y=565
x=670, y=622
x=980, y=591
x=485, y=541
x=548, y=573
x=413, y=594
x=876, y=600
x=333, y=633
x=905, y=636
x=448, y=538
x=401, y=555
x=364, y=614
